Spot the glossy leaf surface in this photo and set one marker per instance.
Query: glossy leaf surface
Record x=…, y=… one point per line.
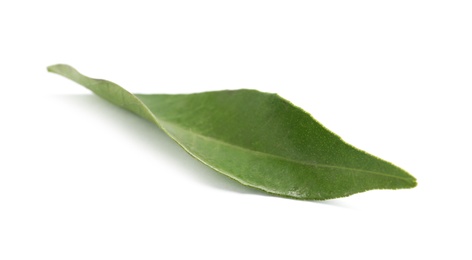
x=258, y=139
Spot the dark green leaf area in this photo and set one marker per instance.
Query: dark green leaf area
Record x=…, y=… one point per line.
x=264, y=141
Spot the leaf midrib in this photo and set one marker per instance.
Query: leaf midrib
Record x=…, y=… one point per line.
x=162, y=122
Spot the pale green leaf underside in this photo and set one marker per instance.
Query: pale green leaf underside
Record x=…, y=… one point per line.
x=258, y=139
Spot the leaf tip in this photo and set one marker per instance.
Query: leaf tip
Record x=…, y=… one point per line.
x=413, y=183
x=409, y=181
x=56, y=67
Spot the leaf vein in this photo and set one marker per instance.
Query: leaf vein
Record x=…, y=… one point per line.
x=163, y=122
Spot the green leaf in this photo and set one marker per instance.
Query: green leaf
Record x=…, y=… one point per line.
x=258, y=139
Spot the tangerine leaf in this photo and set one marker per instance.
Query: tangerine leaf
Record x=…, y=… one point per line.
x=259, y=139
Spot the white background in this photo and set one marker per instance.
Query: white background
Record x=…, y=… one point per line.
x=82, y=179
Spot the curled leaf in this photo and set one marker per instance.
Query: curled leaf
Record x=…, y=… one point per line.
x=258, y=139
